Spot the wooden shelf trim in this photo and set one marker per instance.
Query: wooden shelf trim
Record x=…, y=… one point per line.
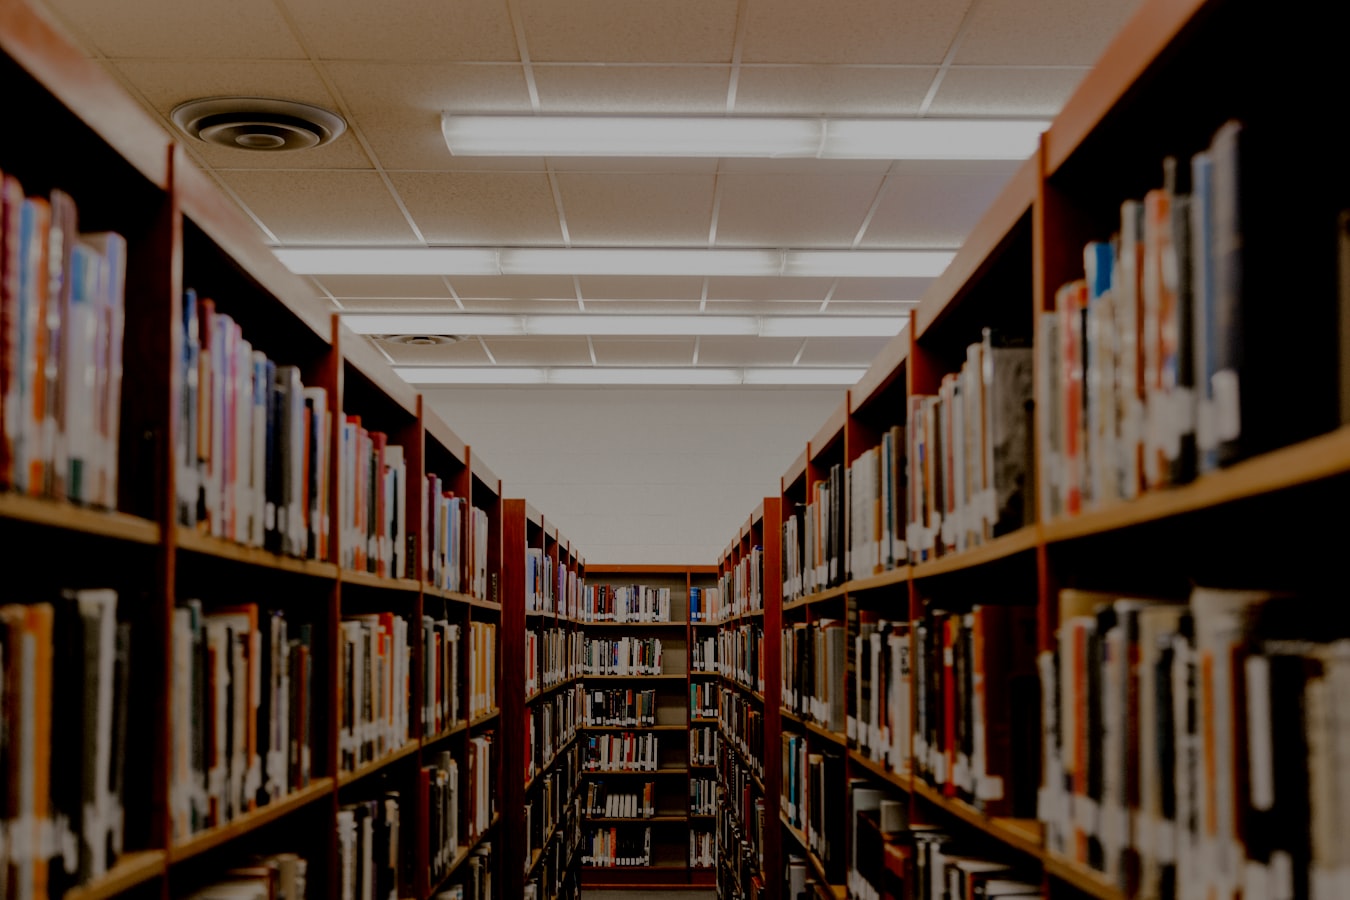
x=1019, y=541
x=636, y=727
x=833, y=737
x=893, y=779
x=464, y=853
x=889, y=578
x=193, y=541
x=661, y=677
x=661, y=817
x=672, y=624
x=57, y=514
x=800, y=837
x=370, y=579
x=375, y=765
x=817, y=597
x=544, y=692
x=449, y=732
x=130, y=870
x=557, y=755
x=744, y=689
x=456, y=596
x=485, y=717
x=214, y=837
x=666, y=770
x=1021, y=834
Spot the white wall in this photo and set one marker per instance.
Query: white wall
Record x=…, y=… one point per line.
x=639, y=476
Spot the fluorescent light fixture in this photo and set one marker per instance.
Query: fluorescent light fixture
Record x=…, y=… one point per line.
x=673, y=376
x=613, y=261
x=770, y=138
x=637, y=325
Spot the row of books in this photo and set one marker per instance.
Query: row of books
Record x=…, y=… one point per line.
x=625, y=603
x=62, y=314
x=368, y=848
x=813, y=661
x=610, y=847
x=899, y=861
x=455, y=536
x=742, y=721
x=879, y=722
x=482, y=668
x=444, y=795
x=740, y=842
x=975, y=684
x=253, y=454
x=600, y=802
x=741, y=589
x=372, y=502
x=555, y=876
x=552, y=655
x=875, y=816
x=703, y=654
x=970, y=451
x=740, y=655
x=280, y=876
x=622, y=656
x=877, y=510
x=620, y=707
x=1148, y=368
x=549, y=726
x=703, y=697
x=241, y=711
x=1197, y=748
x=630, y=751
x=475, y=878
x=703, y=741
x=812, y=802
x=702, y=796
x=375, y=688
x=539, y=596
x=440, y=675
x=702, y=850
x=813, y=539
x=552, y=807
x=706, y=603
x=64, y=674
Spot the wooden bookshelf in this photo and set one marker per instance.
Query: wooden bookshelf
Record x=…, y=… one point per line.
x=376, y=765
x=67, y=517
x=131, y=869
x=1021, y=834
x=249, y=821
x=191, y=541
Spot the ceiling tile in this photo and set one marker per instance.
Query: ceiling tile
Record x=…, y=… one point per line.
x=936, y=208
x=841, y=351
x=520, y=307
x=852, y=31
x=1004, y=91
x=398, y=305
x=553, y=351
x=626, y=287
x=637, y=210
x=642, y=307
x=875, y=308
x=480, y=207
x=646, y=90
x=467, y=352
x=317, y=207
x=905, y=290
x=749, y=351
x=763, y=307
x=623, y=31
x=398, y=108
x=793, y=211
x=1041, y=32
x=165, y=83
x=644, y=351
x=807, y=289
x=171, y=29
x=815, y=167
x=385, y=286
x=497, y=287
x=629, y=165
x=466, y=30
x=832, y=90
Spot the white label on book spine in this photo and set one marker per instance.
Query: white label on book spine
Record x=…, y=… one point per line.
x=988, y=787
x=1166, y=847
x=1259, y=733
x=1227, y=405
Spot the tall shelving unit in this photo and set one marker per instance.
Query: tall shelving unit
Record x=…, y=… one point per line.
x=1171, y=78
x=673, y=819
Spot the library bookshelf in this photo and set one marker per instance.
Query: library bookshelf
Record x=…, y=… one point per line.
x=183, y=234
x=675, y=820
x=1174, y=76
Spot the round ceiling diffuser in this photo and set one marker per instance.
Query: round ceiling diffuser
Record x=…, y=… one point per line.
x=418, y=340
x=257, y=123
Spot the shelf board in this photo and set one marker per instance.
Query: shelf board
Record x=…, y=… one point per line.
x=633, y=624
x=818, y=597
x=463, y=854
x=672, y=817
x=889, y=578
x=791, y=716
x=220, y=834
x=549, y=765
x=130, y=870
x=837, y=889
x=456, y=596
x=637, y=727
x=895, y=780
x=485, y=717
x=192, y=541
x=452, y=730
x=1312, y=460
x=1020, y=834
x=548, y=690
x=375, y=765
x=668, y=770
x=699, y=720
x=662, y=677
x=1019, y=541
x=58, y=514
x=702, y=673
x=1081, y=877
x=744, y=689
x=370, y=579
x=833, y=737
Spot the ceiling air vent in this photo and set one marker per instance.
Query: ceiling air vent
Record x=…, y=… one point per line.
x=418, y=340
x=256, y=123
